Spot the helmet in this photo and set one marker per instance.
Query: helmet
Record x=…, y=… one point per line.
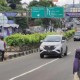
x=77, y=53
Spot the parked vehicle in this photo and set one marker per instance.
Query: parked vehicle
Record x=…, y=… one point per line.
x=77, y=36
x=64, y=29
x=55, y=45
x=76, y=21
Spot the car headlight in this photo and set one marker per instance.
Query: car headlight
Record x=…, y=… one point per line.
x=76, y=36
x=42, y=47
x=57, y=46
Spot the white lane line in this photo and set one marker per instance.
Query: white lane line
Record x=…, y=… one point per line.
x=33, y=70
x=69, y=53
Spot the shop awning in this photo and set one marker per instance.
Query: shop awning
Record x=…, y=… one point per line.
x=11, y=25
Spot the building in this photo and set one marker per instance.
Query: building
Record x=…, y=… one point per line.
x=7, y=27
x=72, y=10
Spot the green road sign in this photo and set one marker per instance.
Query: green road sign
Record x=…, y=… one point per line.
x=47, y=12
x=38, y=12
x=55, y=12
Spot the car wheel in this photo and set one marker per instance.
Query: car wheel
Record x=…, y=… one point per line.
x=41, y=56
x=61, y=55
x=65, y=54
x=74, y=39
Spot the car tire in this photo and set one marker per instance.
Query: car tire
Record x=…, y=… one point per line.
x=41, y=56
x=74, y=39
x=65, y=54
x=61, y=55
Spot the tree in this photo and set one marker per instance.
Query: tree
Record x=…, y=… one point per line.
x=22, y=21
x=41, y=3
x=33, y=3
x=3, y=2
x=14, y=1
x=46, y=3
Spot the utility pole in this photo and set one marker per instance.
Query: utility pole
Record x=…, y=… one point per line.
x=73, y=3
x=79, y=1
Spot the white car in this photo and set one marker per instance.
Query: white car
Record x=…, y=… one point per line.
x=76, y=21
x=55, y=45
x=76, y=36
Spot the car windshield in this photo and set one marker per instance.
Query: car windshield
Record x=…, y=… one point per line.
x=52, y=39
x=77, y=33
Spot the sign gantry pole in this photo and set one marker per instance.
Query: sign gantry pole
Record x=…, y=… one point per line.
x=73, y=3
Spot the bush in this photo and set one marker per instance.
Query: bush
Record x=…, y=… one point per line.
x=31, y=39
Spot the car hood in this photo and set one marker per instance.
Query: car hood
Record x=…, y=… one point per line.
x=76, y=35
x=51, y=43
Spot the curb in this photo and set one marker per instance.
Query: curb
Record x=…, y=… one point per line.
x=19, y=54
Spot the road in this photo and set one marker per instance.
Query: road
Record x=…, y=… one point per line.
x=31, y=67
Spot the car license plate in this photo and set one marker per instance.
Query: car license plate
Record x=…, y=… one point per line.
x=49, y=51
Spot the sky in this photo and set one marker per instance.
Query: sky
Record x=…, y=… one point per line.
x=60, y=2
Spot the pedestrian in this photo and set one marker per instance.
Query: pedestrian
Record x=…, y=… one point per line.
x=76, y=65
x=2, y=47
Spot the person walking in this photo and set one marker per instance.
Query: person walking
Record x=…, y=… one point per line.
x=2, y=47
x=76, y=65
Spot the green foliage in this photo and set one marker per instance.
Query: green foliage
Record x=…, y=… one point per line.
x=3, y=2
x=38, y=21
x=32, y=39
x=41, y=3
x=69, y=33
x=10, y=18
x=33, y=3
x=14, y=1
x=5, y=8
x=22, y=21
x=17, y=1
x=46, y=3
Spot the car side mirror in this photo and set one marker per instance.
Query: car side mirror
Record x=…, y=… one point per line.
x=41, y=41
x=63, y=41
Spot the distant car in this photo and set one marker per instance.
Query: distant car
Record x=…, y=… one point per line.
x=77, y=36
x=69, y=25
x=55, y=45
x=76, y=21
x=64, y=29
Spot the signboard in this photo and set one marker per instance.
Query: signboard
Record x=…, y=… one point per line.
x=47, y=12
x=73, y=14
x=55, y=12
x=38, y=12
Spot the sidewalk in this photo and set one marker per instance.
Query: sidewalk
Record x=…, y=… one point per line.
x=10, y=55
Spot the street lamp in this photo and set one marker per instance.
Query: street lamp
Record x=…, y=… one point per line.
x=28, y=17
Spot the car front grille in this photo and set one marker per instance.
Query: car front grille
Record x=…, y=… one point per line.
x=49, y=47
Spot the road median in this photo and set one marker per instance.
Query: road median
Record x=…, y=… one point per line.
x=10, y=55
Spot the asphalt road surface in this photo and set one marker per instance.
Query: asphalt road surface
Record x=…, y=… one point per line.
x=31, y=67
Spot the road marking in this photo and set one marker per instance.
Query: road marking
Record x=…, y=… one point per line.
x=32, y=70
x=19, y=57
x=69, y=53
x=35, y=69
